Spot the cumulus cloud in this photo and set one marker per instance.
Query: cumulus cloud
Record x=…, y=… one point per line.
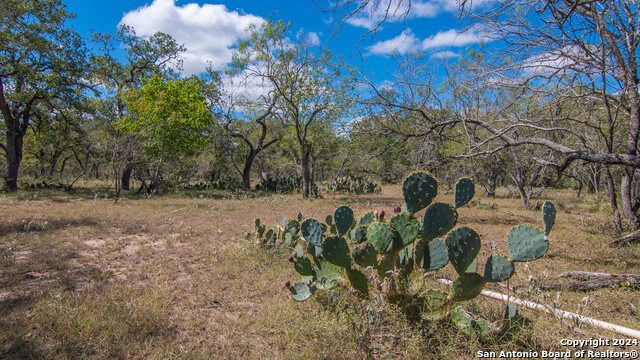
x=311, y=37
x=453, y=38
x=408, y=42
x=246, y=88
x=402, y=44
x=207, y=31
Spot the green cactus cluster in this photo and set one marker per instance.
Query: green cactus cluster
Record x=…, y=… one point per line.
x=286, y=235
x=354, y=185
x=364, y=251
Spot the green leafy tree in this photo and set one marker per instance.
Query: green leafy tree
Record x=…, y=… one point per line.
x=40, y=60
x=304, y=78
x=170, y=118
x=144, y=57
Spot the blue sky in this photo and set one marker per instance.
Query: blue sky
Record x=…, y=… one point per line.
x=209, y=30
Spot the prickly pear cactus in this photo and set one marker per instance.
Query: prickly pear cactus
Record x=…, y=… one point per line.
x=359, y=252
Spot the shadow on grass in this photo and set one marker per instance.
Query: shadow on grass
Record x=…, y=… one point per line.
x=43, y=225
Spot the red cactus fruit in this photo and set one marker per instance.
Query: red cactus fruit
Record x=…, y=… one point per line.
x=290, y=258
x=397, y=209
x=287, y=283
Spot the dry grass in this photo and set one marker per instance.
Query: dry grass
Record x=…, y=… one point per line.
x=173, y=277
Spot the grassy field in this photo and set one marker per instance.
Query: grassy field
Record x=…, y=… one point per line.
x=173, y=276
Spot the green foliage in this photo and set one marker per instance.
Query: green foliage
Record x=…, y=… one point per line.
x=225, y=183
x=43, y=64
x=282, y=184
x=354, y=185
x=396, y=249
x=170, y=116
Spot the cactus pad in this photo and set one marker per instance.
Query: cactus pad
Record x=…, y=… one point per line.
x=498, y=268
x=287, y=239
x=513, y=321
x=366, y=218
x=435, y=304
x=470, y=326
x=421, y=246
x=464, y=192
x=270, y=236
x=526, y=243
x=303, y=266
x=463, y=245
x=407, y=229
x=315, y=251
x=365, y=255
x=293, y=226
x=404, y=257
x=380, y=236
x=358, y=281
x=548, y=216
x=435, y=256
x=301, y=291
x=387, y=264
x=312, y=231
x=326, y=274
x=257, y=222
x=467, y=287
x=419, y=189
x=329, y=220
x=298, y=251
x=438, y=220
x=336, y=251
x=473, y=267
x=344, y=219
x=359, y=234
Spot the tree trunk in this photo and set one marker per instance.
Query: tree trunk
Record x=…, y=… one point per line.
x=626, y=187
x=613, y=199
x=246, y=172
x=490, y=190
x=125, y=181
x=306, y=171
x=13, y=153
x=64, y=163
x=523, y=195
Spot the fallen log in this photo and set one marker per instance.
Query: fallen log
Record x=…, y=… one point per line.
x=627, y=239
x=590, y=281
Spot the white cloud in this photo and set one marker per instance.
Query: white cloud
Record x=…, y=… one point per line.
x=453, y=38
x=408, y=42
x=314, y=39
x=403, y=43
x=207, y=31
x=444, y=55
x=567, y=59
x=246, y=87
